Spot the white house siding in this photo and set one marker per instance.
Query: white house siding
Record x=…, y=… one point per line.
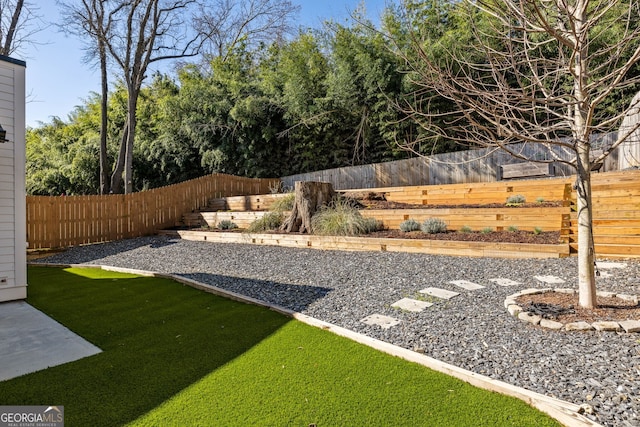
x=13, y=275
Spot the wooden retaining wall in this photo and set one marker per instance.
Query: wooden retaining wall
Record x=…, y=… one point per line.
x=498, y=219
x=616, y=199
x=56, y=222
x=479, y=193
x=436, y=247
x=616, y=215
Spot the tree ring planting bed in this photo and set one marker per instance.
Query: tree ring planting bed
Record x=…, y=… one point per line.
x=558, y=309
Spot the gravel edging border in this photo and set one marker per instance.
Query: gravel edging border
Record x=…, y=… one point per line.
x=567, y=413
x=628, y=326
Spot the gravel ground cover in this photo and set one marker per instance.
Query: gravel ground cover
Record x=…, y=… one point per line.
x=473, y=330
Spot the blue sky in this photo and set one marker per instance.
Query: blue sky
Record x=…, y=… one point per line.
x=58, y=79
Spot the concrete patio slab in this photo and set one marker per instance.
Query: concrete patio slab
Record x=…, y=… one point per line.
x=32, y=341
x=439, y=293
x=385, y=322
x=410, y=304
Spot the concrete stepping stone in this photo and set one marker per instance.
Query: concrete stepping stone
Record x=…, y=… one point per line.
x=439, y=293
x=553, y=280
x=385, y=322
x=630, y=325
x=609, y=265
x=410, y=304
x=465, y=284
x=505, y=282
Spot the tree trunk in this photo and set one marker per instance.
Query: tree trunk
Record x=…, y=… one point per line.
x=310, y=196
x=116, y=176
x=586, y=253
x=134, y=93
x=581, y=133
x=105, y=184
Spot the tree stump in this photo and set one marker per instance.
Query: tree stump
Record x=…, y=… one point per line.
x=309, y=197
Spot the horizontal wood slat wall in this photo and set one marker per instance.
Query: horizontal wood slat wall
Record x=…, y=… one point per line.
x=616, y=214
x=478, y=193
x=64, y=221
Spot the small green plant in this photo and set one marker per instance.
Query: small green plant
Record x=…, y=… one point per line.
x=465, y=229
x=537, y=230
x=516, y=200
x=487, y=230
x=340, y=219
x=409, y=225
x=540, y=200
x=512, y=228
x=372, y=225
x=283, y=204
x=226, y=224
x=433, y=226
x=269, y=221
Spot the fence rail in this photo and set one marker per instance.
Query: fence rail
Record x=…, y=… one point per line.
x=64, y=221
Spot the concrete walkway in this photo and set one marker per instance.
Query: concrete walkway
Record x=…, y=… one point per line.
x=32, y=341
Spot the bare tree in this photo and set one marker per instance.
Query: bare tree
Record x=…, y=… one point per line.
x=96, y=18
x=19, y=22
x=150, y=31
x=226, y=22
x=538, y=72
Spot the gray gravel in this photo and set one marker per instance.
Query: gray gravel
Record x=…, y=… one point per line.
x=472, y=331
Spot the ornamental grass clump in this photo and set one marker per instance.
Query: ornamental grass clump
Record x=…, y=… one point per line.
x=341, y=219
x=409, y=225
x=433, y=226
x=284, y=204
x=269, y=221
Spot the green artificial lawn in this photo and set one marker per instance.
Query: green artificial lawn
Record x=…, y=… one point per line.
x=176, y=356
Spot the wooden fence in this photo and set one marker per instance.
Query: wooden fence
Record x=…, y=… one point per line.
x=64, y=221
x=469, y=166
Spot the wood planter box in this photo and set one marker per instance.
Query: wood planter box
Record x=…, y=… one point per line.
x=436, y=247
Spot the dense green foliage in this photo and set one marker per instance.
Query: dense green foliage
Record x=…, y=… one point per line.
x=176, y=356
x=326, y=98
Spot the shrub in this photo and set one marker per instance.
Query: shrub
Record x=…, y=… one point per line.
x=487, y=230
x=372, y=225
x=540, y=200
x=225, y=224
x=284, y=204
x=409, y=225
x=433, y=226
x=512, y=228
x=339, y=219
x=516, y=200
x=466, y=229
x=537, y=230
x=270, y=221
